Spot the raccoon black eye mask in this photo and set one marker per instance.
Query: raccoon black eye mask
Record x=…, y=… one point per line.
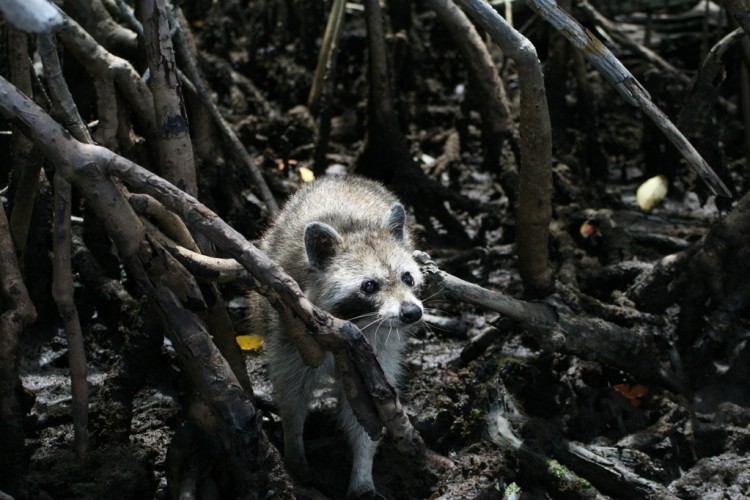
x=354, y=307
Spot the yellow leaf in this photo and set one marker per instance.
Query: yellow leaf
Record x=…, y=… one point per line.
x=651, y=192
x=306, y=174
x=249, y=342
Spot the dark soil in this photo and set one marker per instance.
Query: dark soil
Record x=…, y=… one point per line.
x=695, y=442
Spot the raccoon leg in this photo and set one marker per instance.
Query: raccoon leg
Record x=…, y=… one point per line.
x=363, y=450
x=293, y=385
x=293, y=415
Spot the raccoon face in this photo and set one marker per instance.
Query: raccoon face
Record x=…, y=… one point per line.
x=368, y=277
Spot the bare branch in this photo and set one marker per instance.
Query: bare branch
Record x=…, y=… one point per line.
x=62, y=292
x=58, y=89
x=555, y=327
x=167, y=221
x=26, y=161
x=34, y=16
x=175, y=148
x=628, y=87
x=106, y=70
x=493, y=102
x=327, y=58
x=535, y=188
x=95, y=19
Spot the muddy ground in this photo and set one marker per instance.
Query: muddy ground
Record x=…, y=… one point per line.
x=693, y=443
x=451, y=403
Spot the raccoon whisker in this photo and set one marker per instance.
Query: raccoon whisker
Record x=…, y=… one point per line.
x=376, y=331
x=435, y=310
x=362, y=316
x=390, y=329
x=368, y=325
x=438, y=292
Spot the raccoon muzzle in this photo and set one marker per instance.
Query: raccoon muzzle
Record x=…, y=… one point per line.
x=410, y=312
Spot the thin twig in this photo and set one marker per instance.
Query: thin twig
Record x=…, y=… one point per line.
x=325, y=69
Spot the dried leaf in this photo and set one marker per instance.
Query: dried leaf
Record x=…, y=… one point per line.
x=306, y=174
x=587, y=229
x=249, y=342
x=651, y=192
x=633, y=393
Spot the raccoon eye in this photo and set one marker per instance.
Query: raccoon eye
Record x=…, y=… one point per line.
x=370, y=287
x=407, y=279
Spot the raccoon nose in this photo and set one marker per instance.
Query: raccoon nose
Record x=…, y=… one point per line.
x=410, y=313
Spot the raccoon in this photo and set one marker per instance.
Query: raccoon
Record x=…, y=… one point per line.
x=344, y=240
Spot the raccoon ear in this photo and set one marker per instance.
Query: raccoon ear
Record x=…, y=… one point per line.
x=395, y=220
x=320, y=243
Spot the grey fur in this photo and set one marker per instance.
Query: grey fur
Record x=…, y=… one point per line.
x=331, y=237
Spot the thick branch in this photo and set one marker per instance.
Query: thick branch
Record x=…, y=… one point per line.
x=26, y=163
x=18, y=312
x=97, y=21
x=535, y=189
x=175, y=149
x=555, y=327
x=106, y=70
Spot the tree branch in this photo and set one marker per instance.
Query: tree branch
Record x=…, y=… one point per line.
x=555, y=327
x=17, y=313
x=628, y=87
x=62, y=292
x=535, y=187
x=88, y=167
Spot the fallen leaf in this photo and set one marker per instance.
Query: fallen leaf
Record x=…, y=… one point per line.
x=633, y=393
x=587, y=229
x=249, y=342
x=651, y=192
x=306, y=174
